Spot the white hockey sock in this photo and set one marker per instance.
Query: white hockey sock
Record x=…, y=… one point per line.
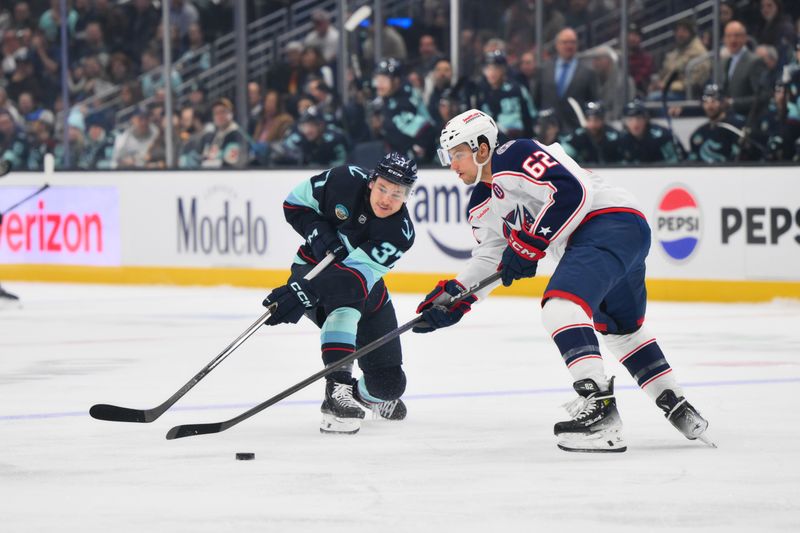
x=573, y=333
x=645, y=361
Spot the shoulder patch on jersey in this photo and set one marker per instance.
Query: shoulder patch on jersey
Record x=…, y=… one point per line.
x=498, y=191
x=341, y=212
x=505, y=147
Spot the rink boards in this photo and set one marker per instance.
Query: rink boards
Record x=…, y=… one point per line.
x=719, y=234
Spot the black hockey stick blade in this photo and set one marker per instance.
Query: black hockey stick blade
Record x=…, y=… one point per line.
x=113, y=413
x=190, y=430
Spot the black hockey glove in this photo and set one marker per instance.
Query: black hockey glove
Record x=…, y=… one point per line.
x=521, y=256
x=323, y=240
x=290, y=301
x=434, y=310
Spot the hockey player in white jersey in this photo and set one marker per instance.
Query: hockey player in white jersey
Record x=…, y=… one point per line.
x=532, y=200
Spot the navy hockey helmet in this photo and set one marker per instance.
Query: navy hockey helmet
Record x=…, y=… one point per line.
x=397, y=169
x=312, y=114
x=496, y=57
x=594, y=109
x=712, y=91
x=389, y=67
x=635, y=108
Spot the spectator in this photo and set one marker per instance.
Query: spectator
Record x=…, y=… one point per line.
x=182, y=16
x=565, y=78
x=644, y=142
x=314, y=65
x=22, y=19
x=98, y=151
x=743, y=73
x=447, y=107
x=26, y=105
x=142, y=19
x=153, y=76
x=791, y=127
x=75, y=142
x=7, y=106
x=274, y=121
x=688, y=47
x=286, y=76
x=120, y=68
x=197, y=100
x=90, y=79
x=13, y=142
x=40, y=138
x=429, y=55
x=130, y=148
x=436, y=83
x=93, y=44
x=129, y=95
x=226, y=145
x=156, y=157
x=712, y=142
x=24, y=78
x=197, y=57
x=640, y=63
x=407, y=127
x=50, y=21
x=253, y=106
x=611, y=82
x=324, y=36
x=393, y=44
x=597, y=142
x=323, y=98
x=527, y=70
x=774, y=27
x=312, y=143
x=772, y=73
x=190, y=138
x=505, y=99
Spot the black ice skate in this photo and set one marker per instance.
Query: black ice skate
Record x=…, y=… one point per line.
x=8, y=299
x=596, y=425
x=391, y=410
x=684, y=416
x=340, y=411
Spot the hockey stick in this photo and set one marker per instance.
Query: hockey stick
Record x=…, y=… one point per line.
x=664, y=109
x=576, y=108
x=37, y=193
x=744, y=136
x=114, y=413
x=190, y=430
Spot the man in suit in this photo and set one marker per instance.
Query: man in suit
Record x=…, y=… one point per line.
x=565, y=78
x=743, y=73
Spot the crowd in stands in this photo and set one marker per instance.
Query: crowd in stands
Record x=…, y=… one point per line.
x=295, y=117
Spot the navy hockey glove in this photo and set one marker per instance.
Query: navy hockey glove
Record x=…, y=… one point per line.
x=434, y=311
x=521, y=256
x=292, y=299
x=323, y=240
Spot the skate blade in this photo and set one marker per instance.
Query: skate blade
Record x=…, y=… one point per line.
x=339, y=426
x=706, y=440
x=600, y=442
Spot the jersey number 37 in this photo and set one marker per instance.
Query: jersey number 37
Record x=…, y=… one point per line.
x=538, y=163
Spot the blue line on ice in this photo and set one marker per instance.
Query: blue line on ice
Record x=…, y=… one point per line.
x=433, y=396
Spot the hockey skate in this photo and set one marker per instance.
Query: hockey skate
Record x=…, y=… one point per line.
x=340, y=411
x=391, y=410
x=684, y=416
x=596, y=425
x=8, y=299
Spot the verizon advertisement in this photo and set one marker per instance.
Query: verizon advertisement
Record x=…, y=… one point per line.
x=63, y=225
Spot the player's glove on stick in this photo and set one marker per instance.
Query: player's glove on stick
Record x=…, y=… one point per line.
x=434, y=310
x=322, y=239
x=292, y=299
x=521, y=256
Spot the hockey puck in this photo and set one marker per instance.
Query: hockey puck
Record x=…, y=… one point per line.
x=245, y=456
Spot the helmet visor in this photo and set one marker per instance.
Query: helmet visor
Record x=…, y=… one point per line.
x=444, y=157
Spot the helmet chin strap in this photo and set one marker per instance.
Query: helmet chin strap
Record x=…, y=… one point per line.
x=481, y=165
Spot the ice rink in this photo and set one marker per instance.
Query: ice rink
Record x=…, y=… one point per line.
x=476, y=452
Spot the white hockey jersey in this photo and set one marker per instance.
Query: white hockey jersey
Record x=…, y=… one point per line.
x=540, y=189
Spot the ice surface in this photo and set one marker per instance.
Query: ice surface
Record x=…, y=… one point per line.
x=476, y=452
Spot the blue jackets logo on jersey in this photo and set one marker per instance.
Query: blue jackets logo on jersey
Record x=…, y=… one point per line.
x=678, y=220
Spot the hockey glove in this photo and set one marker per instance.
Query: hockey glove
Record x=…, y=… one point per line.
x=323, y=240
x=521, y=256
x=434, y=308
x=290, y=301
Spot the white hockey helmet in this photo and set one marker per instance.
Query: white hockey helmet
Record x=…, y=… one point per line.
x=467, y=128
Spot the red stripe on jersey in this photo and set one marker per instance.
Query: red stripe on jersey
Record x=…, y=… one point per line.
x=570, y=326
x=568, y=296
x=356, y=274
x=645, y=343
x=649, y=381
x=584, y=358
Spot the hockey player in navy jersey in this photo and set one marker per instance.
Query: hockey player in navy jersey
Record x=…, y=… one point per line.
x=532, y=200
x=360, y=217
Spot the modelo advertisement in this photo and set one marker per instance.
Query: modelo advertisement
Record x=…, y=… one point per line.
x=62, y=225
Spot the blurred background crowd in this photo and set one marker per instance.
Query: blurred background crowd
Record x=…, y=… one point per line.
x=661, y=96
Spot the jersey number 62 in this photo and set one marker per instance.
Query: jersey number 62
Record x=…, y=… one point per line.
x=538, y=163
